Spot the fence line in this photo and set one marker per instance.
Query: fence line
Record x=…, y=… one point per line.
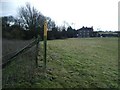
x=8, y=58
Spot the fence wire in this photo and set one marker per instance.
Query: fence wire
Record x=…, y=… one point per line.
x=21, y=70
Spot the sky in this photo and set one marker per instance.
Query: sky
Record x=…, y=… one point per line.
x=101, y=14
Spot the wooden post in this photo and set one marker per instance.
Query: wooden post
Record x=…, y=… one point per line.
x=37, y=44
x=45, y=43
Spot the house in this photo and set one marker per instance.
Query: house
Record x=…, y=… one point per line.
x=85, y=32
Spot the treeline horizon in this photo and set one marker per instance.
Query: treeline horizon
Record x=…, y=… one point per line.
x=30, y=24
x=11, y=29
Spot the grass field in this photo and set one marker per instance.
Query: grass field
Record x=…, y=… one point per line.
x=71, y=63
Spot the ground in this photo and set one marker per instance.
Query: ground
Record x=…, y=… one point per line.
x=75, y=62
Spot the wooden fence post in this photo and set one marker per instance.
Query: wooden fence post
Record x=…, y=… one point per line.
x=37, y=47
x=36, y=52
x=45, y=43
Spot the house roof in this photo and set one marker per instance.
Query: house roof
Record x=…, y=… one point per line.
x=86, y=28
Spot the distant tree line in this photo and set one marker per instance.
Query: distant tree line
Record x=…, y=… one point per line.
x=13, y=29
x=30, y=23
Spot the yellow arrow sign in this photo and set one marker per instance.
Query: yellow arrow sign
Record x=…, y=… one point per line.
x=45, y=28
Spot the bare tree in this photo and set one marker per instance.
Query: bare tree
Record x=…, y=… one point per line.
x=51, y=23
x=30, y=18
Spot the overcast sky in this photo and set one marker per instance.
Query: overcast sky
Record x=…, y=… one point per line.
x=101, y=14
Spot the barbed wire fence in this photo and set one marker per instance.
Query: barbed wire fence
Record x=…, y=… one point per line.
x=19, y=66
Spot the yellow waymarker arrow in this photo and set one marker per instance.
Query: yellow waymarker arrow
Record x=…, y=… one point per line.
x=45, y=28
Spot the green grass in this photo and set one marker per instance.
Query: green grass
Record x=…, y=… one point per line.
x=75, y=62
